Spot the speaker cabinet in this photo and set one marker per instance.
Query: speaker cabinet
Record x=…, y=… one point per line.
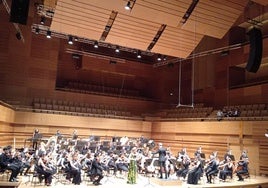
x=255, y=53
x=19, y=11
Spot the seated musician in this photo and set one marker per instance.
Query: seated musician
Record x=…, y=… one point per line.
x=242, y=166
x=96, y=170
x=212, y=168
x=196, y=171
x=43, y=169
x=181, y=154
x=184, y=167
x=75, y=169
x=226, y=168
x=6, y=163
x=122, y=163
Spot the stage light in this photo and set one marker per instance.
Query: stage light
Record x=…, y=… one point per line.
x=70, y=40
x=43, y=20
x=127, y=7
x=48, y=34
x=139, y=54
x=75, y=39
x=117, y=49
x=96, y=45
x=159, y=57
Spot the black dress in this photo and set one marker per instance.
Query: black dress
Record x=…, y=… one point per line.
x=195, y=173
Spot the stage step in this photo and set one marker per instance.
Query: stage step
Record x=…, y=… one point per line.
x=166, y=182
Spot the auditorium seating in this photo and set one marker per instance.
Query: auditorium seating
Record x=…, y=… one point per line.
x=79, y=109
x=79, y=87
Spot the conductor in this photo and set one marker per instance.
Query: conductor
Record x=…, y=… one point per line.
x=162, y=159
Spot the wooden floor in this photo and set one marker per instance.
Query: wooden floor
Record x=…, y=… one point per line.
x=114, y=182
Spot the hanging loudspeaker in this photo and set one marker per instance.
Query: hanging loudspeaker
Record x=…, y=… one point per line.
x=255, y=53
x=19, y=11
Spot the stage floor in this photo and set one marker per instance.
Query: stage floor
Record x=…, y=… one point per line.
x=142, y=181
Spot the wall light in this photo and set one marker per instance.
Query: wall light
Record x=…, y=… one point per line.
x=127, y=7
x=159, y=57
x=96, y=45
x=139, y=54
x=117, y=49
x=48, y=34
x=70, y=40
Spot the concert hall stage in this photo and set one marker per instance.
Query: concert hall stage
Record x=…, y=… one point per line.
x=113, y=182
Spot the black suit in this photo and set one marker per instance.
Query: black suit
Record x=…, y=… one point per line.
x=96, y=171
x=6, y=163
x=162, y=160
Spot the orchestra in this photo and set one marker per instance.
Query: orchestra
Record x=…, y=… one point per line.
x=126, y=157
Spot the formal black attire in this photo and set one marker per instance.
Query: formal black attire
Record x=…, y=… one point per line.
x=211, y=170
x=242, y=169
x=162, y=161
x=7, y=163
x=96, y=171
x=76, y=172
x=195, y=173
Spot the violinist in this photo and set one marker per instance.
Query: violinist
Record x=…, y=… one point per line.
x=183, y=171
x=242, y=166
x=228, y=167
x=43, y=169
x=196, y=171
x=212, y=167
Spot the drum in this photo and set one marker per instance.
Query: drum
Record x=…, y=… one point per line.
x=132, y=172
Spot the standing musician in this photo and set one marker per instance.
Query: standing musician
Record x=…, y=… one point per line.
x=242, y=166
x=227, y=168
x=162, y=160
x=36, y=136
x=75, y=169
x=44, y=169
x=6, y=163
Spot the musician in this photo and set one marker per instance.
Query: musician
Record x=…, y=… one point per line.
x=35, y=139
x=181, y=155
x=196, y=171
x=75, y=135
x=6, y=163
x=242, y=166
x=122, y=163
x=212, y=168
x=183, y=171
x=162, y=160
x=43, y=168
x=228, y=168
x=76, y=169
x=96, y=170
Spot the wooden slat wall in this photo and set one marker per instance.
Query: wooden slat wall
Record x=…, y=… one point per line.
x=212, y=136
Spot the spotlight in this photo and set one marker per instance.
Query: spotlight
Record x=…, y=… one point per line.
x=266, y=134
x=70, y=40
x=159, y=57
x=75, y=39
x=18, y=35
x=117, y=49
x=127, y=7
x=37, y=30
x=43, y=20
x=165, y=58
x=139, y=54
x=96, y=45
x=48, y=34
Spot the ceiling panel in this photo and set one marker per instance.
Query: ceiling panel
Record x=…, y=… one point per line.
x=138, y=27
x=177, y=42
x=214, y=17
x=132, y=32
